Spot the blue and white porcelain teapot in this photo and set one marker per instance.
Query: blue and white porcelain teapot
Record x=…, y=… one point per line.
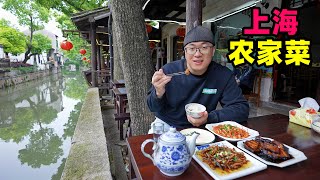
x=173, y=153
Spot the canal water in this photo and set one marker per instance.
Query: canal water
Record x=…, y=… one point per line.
x=37, y=121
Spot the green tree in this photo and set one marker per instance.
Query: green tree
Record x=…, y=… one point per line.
x=69, y=7
x=21, y=126
x=30, y=14
x=44, y=148
x=13, y=41
x=76, y=88
x=40, y=44
x=58, y=174
x=70, y=126
x=4, y=23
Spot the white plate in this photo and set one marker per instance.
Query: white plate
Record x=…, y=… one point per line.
x=252, y=133
x=296, y=154
x=254, y=167
x=205, y=136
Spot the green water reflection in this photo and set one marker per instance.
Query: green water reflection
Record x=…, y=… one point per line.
x=37, y=121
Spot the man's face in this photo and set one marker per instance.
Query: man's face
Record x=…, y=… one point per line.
x=198, y=56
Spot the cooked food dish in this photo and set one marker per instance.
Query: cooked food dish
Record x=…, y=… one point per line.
x=269, y=150
x=230, y=131
x=222, y=157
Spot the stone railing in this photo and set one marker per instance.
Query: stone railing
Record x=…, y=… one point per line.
x=88, y=157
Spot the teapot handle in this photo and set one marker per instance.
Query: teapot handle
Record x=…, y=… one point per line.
x=142, y=148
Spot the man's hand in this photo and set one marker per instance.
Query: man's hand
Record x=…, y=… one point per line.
x=199, y=121
x=159, y=81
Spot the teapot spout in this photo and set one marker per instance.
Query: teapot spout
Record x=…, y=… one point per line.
x=191, y=142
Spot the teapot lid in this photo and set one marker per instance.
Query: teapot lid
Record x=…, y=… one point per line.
x=172, y=136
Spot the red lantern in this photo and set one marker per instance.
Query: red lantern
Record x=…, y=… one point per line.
x=149, y=28
x=152, y=44
x=82, y=51
x=84, y=58
x=181, y=31
x=66, y=45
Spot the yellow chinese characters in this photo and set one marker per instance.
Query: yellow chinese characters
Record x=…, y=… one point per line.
x=243, y=48
x=297, y=52
x=269, y=51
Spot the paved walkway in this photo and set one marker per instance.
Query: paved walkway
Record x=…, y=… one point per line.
x=115, y=146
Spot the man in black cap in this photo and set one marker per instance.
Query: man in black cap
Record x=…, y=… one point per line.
x=208, y=83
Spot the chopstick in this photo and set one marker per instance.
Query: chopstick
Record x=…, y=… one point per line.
x=176, y=74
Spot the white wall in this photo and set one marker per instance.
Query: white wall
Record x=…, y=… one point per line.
x=1, y=52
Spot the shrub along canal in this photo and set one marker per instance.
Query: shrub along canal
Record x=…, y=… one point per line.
x=37, y=121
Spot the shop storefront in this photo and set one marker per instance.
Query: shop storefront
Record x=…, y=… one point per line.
x=293, y=83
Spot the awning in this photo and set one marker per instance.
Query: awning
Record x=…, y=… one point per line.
x=175, y=11
x=82, y=21
x=218, y=9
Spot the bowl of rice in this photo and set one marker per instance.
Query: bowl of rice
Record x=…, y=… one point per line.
x=195, y=110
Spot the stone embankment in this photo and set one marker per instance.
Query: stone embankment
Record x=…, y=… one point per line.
x=88, y=157
x=11, y=80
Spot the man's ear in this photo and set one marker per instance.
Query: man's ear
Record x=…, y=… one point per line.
x=213, y=50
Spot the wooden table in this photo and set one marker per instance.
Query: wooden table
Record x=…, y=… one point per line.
x=275, y=126
x=118, y=83
x=120, y=96
x=120, y=102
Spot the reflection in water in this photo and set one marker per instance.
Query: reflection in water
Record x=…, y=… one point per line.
x=37, y=121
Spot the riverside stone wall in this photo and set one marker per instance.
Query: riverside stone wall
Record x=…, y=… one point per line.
x=6, y=81
x=88, y=157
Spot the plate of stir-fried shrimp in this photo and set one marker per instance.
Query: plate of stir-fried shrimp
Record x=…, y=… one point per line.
x=222, y=160
x=232, y=131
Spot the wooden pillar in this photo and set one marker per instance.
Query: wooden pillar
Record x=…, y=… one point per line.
x=93, y=52
x=99, y=60
x=110, y=44
x=193, y=14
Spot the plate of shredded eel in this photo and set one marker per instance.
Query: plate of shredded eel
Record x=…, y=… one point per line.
x=271, y=152
x=231, y=131
x=222, y=160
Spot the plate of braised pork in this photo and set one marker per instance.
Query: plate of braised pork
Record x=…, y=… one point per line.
x=232, y=131
x=222, y=160
x=271, y=152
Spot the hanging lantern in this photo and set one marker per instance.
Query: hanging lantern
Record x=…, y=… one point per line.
x=181, y=31
x=84, y=58
x=152, y=44
x=82, y=51
x=66, y=45
x=149, y=28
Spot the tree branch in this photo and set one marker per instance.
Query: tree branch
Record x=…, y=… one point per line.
x=74, y=5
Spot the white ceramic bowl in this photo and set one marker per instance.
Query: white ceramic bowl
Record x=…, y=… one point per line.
x=195, y=110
